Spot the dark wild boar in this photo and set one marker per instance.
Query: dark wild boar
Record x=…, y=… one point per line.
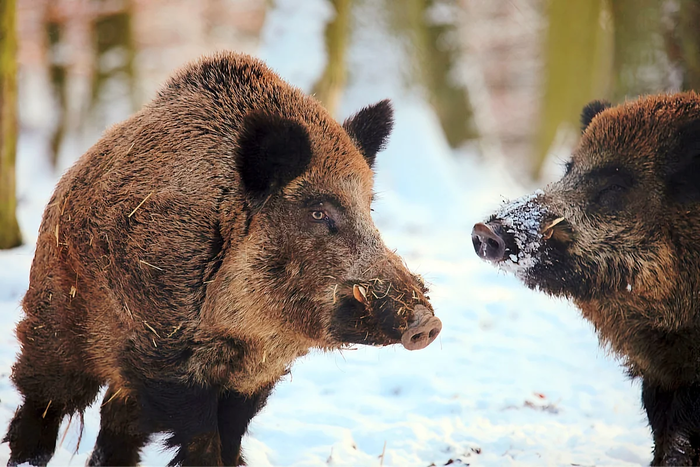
x=619, y=234
x=193, y=253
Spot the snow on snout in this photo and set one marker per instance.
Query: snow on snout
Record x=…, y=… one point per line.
x=522, y=218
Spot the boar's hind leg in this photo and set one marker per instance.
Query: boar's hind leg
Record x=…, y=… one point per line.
x=674, y=417
x=53, y=385
x=235, y=413
x=121, y=436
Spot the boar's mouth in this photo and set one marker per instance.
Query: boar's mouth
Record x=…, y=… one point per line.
x=375, y=313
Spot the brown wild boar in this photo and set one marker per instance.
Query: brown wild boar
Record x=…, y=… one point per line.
x=193, y=253
x=619, y=234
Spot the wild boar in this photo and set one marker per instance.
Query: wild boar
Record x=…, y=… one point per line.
x=193, y=253
x=618, y=235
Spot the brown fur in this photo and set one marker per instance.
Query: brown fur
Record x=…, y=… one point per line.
x=643, y=243
x=154, y=263
x=628, y=253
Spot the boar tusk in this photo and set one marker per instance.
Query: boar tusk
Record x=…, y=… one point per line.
x=548, y=231
x=553, y=223
x=359, y=293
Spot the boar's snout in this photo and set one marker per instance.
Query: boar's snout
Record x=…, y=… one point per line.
x=489, y=243
x=422, y=331
x=385, y=311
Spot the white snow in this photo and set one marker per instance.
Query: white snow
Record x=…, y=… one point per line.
x=523, y=218
x=516, y=378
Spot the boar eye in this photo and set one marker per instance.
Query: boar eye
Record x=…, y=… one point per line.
x=323, y=213
x=609, y=196
x=612, y=183
x=319, y=215
x=610, y=189
x=567, y=167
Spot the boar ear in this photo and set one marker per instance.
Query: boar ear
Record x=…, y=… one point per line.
x=272, y=151
x=683, y=182
x=590, y=111
x=370, y=127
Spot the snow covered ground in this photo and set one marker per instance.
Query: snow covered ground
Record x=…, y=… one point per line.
x=515, y=378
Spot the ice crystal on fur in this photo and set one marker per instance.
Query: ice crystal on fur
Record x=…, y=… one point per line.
x=523, y=219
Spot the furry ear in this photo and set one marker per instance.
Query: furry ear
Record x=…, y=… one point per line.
x=683, y=179
x=591, y=110
x=272, y=151
x=370, y=127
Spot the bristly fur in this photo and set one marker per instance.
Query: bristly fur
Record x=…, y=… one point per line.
x=370, y=128
x=191, y=255
x=630, y=256
x=684, y=169
x=591, y=110
x=272, y=152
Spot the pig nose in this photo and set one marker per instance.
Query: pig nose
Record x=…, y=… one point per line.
x=487, y=244
x=422, y=331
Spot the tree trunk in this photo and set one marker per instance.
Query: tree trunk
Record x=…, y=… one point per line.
x=329, y=87
x=9, y=229
x=58, y=72
x=578, y=52
x=641, y=65
x=683, y=43
x=436, y=54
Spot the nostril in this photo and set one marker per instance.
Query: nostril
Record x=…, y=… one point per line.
x=487, y=243
x=421, y=333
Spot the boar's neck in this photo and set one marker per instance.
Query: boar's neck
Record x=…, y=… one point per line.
x=658, y=338
x=246, y=339
x=243, y=364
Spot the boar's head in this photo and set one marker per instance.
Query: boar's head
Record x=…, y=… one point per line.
x=312, y=262
x=622, y=219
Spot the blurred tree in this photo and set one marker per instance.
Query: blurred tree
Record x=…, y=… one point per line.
x=9, y=229
x=434, y=38
x=114, y=54
x=57, y=74
x=578, y=61
x=684, y=42
x=330, y=85
x=640, y=61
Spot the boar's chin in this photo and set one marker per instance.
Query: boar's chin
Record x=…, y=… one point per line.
x=541, y=280
x=526, y=266
x=564, y=277
x=351, y=323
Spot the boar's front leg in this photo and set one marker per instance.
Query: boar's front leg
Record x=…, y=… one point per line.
x=121, y=435
x=674, y=417
x=235, y=413
x=189, y=413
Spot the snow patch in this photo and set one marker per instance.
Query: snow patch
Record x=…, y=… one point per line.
x=523, y=219
x=501, y=342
